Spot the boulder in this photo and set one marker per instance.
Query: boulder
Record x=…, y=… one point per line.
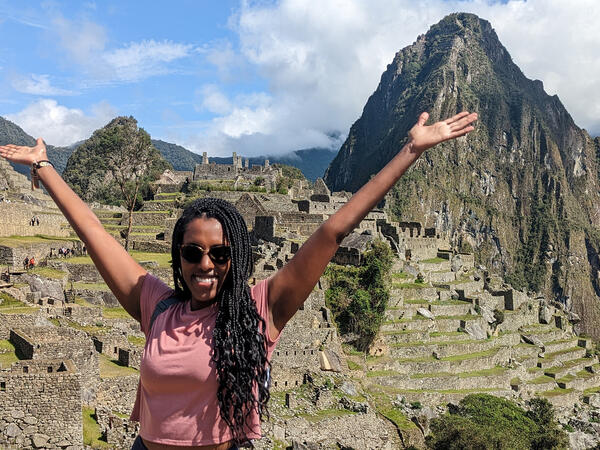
x=39, y=440
x=574, y=318
x=476, y=330
x=533, y=340
x=456, y=263
x=46, y=287
x=425, y=313
x=348, y=388
x=488, y=314
x=330, y=361
x=545, y=315
x=579, y=440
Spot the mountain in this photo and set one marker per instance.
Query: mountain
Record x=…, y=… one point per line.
x=312, y=162
x=522, y=190
x=11, y=133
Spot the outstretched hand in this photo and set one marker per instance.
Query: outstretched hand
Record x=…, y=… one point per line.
x=424, y=136
x=22, y=154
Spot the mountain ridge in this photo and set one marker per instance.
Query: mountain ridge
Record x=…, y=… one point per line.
x=522, y=189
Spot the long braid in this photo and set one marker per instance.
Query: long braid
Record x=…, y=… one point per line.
x=240, y=352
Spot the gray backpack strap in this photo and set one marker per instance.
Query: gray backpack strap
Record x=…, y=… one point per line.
x=161, y=307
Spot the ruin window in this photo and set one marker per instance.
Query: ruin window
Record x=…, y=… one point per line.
x=312, y=352
x=62, y=368
x=296, y=382
x=294, y=352
x=25, y=369
x=115, y=351
x=49, y=369
x=2, y=386
x=275, y=383
x=286, y=383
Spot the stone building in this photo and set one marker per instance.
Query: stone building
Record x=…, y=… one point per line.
x=40, y=405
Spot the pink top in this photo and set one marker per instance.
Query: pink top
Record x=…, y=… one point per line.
x=177, y=401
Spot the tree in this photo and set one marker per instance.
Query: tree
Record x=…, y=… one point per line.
x=115, y=165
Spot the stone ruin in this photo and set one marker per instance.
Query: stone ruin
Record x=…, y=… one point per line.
x=442, y=338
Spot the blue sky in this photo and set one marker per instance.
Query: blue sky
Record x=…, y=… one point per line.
x=256, y=77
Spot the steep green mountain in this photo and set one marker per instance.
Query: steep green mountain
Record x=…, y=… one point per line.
x=181, y=158
x=522, y=190
x=11, y=133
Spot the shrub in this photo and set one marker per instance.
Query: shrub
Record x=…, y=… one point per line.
x=482, y=421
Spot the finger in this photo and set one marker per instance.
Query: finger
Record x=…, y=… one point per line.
x=40, y=141
x=462, y=132
x=456, y=117
x=423, y=118
x=464, y=121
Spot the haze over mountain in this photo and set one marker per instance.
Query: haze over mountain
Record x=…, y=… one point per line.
x=522, y=190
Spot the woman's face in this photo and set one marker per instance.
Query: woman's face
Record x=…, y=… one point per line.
x=204, y=278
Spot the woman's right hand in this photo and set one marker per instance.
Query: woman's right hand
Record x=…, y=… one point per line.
x=22, y=154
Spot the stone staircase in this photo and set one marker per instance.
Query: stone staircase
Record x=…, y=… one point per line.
x=442, y=339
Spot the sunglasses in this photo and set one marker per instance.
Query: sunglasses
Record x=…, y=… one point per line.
x=193, y=253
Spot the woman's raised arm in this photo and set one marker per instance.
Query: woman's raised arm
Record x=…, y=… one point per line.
x=291, y=285
x=123, y=275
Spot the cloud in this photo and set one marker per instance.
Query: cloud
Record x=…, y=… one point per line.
x=60, y=125
x=321, y=63
x=85, y=42
x=138, y=60
x=37, y=85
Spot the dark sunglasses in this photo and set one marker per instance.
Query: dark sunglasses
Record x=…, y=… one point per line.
x=193, y=253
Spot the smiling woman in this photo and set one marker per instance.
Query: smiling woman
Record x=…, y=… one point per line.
x=204, y=374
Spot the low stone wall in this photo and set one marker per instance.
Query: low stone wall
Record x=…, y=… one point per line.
x=10, y=321
x=120, y=432
x=118, y=394
x=15, y=256
x=39, y=408
x=131, y=356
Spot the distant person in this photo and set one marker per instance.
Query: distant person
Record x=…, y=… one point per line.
x=26, y=263
x=204, y=375
x=32, y=263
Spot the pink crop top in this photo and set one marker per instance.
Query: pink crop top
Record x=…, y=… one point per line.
x=177, y=401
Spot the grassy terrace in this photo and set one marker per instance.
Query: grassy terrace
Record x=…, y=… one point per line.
x=566, y=365
x=11, y=305
x=90, y=286
x=7, y=353
x=326, y=414
x=395, y=391
x=116, y=312
x=435, y=260
x=541, y=380
x=550, y=356
x=137, y=341
x=556, y=392
x=110, y=368
x=475, y=373
x=23, y=241
x=439, y=344
x=48, y=272
x=163, y=259
x=436, y=303
x=409, y=285
x=380, y=397
x=455, y=358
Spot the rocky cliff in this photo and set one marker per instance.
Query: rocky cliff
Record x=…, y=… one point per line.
x=522, y=190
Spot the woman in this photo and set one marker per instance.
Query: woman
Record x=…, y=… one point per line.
x=204, y=372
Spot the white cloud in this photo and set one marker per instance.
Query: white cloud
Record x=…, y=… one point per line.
x=213, y=100
x=323, y=60
x=37, y=85
x=139, y=60
x=59, y=125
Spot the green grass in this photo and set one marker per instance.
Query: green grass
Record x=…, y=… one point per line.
x=90, y=329
x=475, y=373
x=593, y=390
x=91, y=430
x=110, y=368
x=435, y=260
x=326, y=414
x=383, y=405
x=469, y=356
x=22, y=241
x=382, y=373
x=163, y=259
x=116, y=312
x=137, y=341
x=541, y=380
x=83, y=302
x=409, y=285
x=11, y=305
x=7, y=353
x=354, y=366
x=48, y=272
x=556, y=392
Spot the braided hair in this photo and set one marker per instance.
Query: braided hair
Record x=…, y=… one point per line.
x=240, y=352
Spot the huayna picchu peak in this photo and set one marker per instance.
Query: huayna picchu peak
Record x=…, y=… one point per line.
x=522, y=191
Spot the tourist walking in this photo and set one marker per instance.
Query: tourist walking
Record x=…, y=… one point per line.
x=204, y=375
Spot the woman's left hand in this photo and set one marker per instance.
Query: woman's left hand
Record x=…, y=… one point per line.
x=423, y=136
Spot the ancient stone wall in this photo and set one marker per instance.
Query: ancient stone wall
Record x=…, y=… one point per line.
x=118, y=394
x=10, y=321
x=15, y=219
x=62, y=343
x=15, y=256
x=40, y=405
